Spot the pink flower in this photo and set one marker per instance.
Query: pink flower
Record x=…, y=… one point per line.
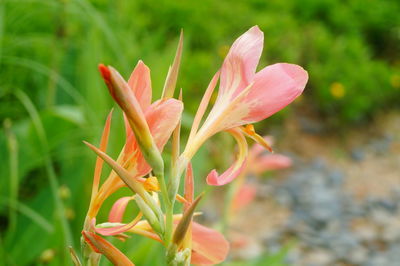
x=160, y=117
x=244, y=97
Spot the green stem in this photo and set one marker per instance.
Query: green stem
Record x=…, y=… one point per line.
x=168, y=210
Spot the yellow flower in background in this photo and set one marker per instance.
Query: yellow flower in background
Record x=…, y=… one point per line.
x=337, y=90
x=395, y=81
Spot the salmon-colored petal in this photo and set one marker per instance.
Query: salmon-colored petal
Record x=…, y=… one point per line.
x=100, y=245
x=238, y=166
x=274, y=87
x=118, y=210
x=270, y=162
x=118, y=229
x=162, y=117
x=244, y=196
x=209, y=246
x=241, y=62
x=140, y=84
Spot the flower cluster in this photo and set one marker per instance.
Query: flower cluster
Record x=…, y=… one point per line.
x=243, y=98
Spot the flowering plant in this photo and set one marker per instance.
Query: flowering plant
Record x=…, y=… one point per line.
x=244, y=97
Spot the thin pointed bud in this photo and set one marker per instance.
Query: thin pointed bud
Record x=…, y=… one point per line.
x=251, y=133
x=189, y=187
x=123, y=95
x=185, y=222
x=100, y=245
x=149, y=214
x=203, y=106
x=130, y=181
x=74, y=257
x=172, y=76
x=176, y=139
x=99, y=161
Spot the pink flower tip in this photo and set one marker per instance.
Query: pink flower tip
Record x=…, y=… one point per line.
x=296, y=73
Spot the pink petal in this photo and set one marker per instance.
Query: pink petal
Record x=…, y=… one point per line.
x=131, y=145
x=209, y=246
x=118, y=210
x=162, y=118
x=241, y=62
x=238, y=166
x=274, y=87
x=244, y=196
x=140, y=84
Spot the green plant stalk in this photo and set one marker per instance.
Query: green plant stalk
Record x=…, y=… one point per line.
x=171, y=191
x=168, y=209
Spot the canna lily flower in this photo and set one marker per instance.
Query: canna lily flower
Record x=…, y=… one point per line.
x=244, y=97
x=160, y=117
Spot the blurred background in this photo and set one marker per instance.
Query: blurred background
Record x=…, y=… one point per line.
x=337, y=205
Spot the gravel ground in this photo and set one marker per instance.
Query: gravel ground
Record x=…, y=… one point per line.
x=333, y=209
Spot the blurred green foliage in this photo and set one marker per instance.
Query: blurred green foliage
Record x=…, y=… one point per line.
x=51, y=96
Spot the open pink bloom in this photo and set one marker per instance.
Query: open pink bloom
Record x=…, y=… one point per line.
x=161, y=117
x=246, y=97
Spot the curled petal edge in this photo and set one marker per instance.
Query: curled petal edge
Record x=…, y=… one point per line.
x=237, y=167
x=118, y=210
